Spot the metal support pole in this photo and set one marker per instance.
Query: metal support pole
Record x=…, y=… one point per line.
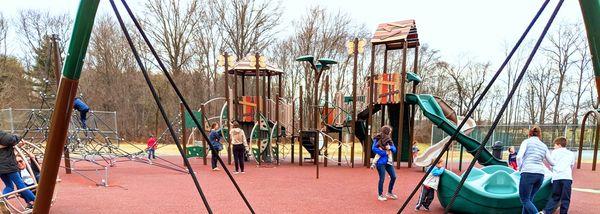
x=354, y=74
x=326, y=109
x=301, y=116
x=67, y=90
x=203, y=120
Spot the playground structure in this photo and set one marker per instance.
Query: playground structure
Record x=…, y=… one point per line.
x=265, y=116
x=390, y=95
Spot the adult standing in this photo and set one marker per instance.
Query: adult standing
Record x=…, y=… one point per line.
x=530, y=160
x=384, y=147
x=215, y=138
x=238, y=139
x=9, y=168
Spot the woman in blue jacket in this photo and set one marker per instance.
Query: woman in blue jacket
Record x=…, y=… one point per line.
x=384, y=147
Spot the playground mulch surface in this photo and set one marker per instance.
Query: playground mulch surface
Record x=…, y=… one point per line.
x=141, y=188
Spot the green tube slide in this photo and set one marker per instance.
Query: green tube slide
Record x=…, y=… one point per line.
x=433, y=112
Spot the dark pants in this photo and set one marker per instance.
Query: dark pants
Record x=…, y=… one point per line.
x=561, y=192
x=529, y=185
x=427, y=195
x=381, y=169
x=15, y=178
x=213, y=158
x=83, y=118
x=151, y=154
x=238, y=157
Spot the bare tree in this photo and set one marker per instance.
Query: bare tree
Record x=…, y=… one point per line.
x=582, y=82
x=171, y=25
x=3, y=34
x=563, y=45
x=34, y=26
x=542, y=83
x=247, y=25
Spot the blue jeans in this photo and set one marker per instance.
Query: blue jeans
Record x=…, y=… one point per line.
x=151, y=154
x=528, y=185
x=561, y=192
x=15, y=177
x=381, y=169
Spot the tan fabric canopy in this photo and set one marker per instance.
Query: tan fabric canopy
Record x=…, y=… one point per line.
x=245, y=68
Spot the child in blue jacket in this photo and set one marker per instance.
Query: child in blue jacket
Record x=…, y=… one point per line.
x=430, y=185
x=384, y=147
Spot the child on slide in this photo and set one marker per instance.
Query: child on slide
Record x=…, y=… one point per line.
x=512, y=158
x=430, y=185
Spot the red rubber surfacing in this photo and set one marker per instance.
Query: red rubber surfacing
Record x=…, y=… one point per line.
x=140, y=188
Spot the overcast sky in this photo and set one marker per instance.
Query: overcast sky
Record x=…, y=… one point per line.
x=458, y=28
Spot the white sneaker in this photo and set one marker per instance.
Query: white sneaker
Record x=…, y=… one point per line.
x=235, y=172
x=381, y=198
x=391, y=196
x=215, y=169
x=243, y=172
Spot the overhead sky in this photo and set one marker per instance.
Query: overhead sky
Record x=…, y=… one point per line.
x=476, y=28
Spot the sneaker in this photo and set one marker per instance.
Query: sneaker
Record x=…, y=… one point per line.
x=391, y=196
x=215, y=169
x=426, y=208
x=235, y=172
x=381, y=198
x=418, y=207
x=243, y=172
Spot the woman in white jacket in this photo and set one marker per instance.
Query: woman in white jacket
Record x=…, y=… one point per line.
x=238, y=139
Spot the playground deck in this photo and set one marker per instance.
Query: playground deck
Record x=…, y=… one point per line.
x=141, y=188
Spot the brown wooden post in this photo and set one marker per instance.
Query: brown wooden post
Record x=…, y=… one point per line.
x=413, y=109
x=401, y=116
x=293, y=125
x=183, y=128
x=226, y=79
x=279, y=91
x=301, y=127
x=203, y=120
x=326, y=109
x=235, y=96
x=367, y=144
x=385, y=65
x=257, y=100
x=354, y=74
x=57, y=67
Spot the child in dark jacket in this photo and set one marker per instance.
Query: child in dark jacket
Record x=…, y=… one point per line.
x=83, y=109
x=9, y=168
x=215, y=138
x=430, y=185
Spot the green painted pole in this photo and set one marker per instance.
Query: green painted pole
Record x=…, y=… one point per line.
x=84, y=22
x=590, y=10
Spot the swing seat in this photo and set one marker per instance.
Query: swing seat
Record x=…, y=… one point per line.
x=195, y=151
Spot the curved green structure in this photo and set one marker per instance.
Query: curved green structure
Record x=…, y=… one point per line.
x=433, y=112
x=492, y=189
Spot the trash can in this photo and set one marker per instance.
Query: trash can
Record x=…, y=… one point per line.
x=497, y=150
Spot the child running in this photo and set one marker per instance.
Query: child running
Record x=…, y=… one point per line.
x=430, y=185
x=512, y=158
x=562, y=176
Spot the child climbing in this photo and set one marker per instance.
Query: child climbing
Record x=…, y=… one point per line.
x=83, y=109
x=385, y=162
x=512, y=158
x=430, y=185
x=562, y=177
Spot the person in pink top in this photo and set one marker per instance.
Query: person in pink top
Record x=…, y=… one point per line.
x=151, y=147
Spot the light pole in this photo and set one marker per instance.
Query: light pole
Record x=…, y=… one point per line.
x=318, y=67
x=355, y=47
